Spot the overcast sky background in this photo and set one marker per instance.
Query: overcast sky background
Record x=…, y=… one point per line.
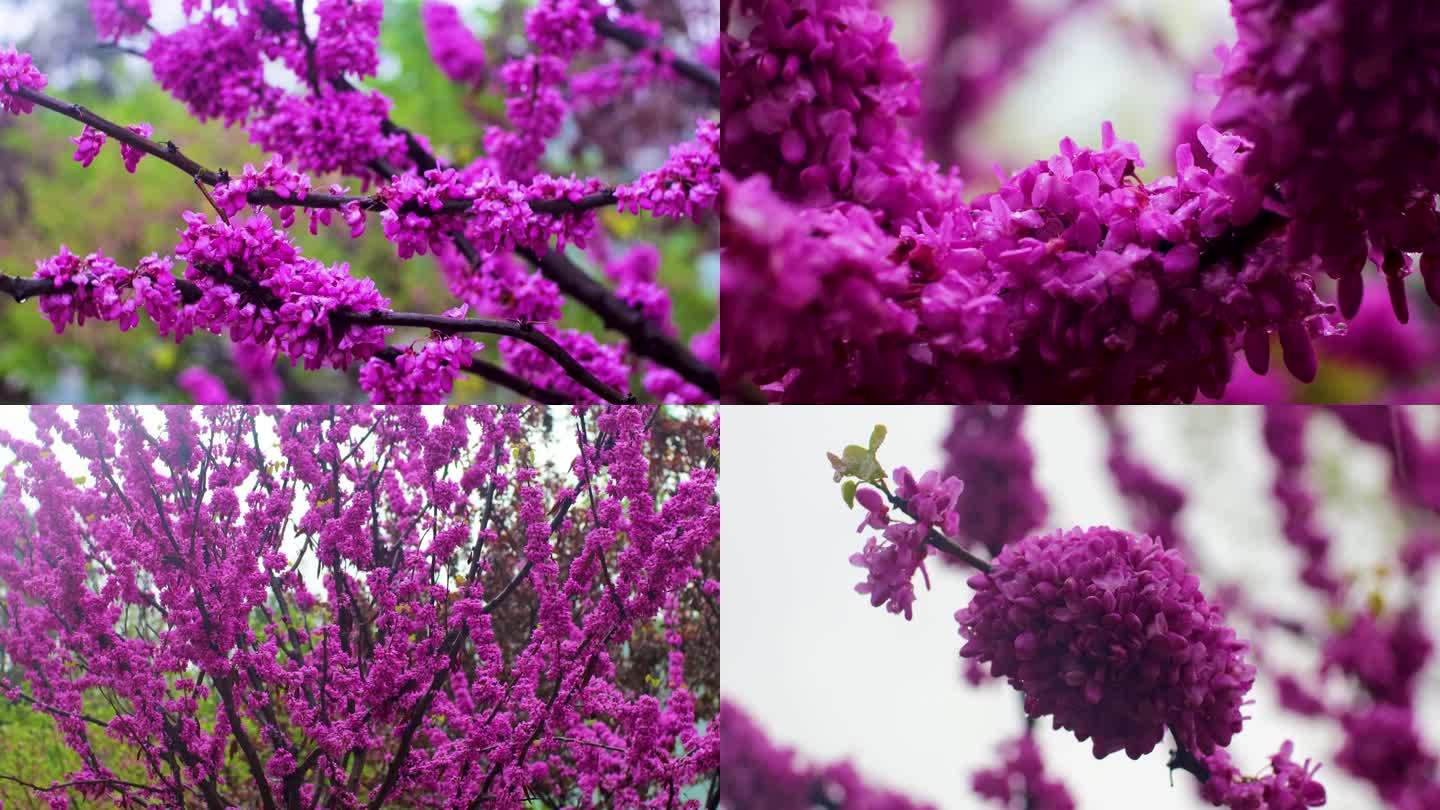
x=823, y=671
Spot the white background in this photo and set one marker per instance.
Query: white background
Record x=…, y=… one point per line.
x=824, y=672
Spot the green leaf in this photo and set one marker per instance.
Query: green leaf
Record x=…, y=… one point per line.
x=877, y=438
x=847, y=491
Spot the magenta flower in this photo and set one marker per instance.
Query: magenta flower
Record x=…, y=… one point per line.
x=1109, y=633
x=1020, y=780
x=1289, y=785
x=457, y=52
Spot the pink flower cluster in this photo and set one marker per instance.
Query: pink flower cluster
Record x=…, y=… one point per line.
x=686, y=185
x=419, y=376
x=1021, y=780
x=255, y=284
x=1001, y=502
x=605, y=360
x=890, y=565
x=118, y=18
x=457, y=52
x=536, y=108
x=1288, y=786
x=90, y=141
x=1109, y=633
x=93, y=287
x=498, y=218
x=276, y=176
x=338, y=132
x=18, y=72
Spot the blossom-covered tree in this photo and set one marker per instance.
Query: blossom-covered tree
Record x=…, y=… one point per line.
x=1075, y=280
x=498, y=225
x=354, y=607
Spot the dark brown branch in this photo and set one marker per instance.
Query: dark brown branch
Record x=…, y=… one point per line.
x=636, y=41
x=516, y=329
x=1182, y=760
x=22, y=289
x=117, y=784
x=645, y=336
x=170, y=153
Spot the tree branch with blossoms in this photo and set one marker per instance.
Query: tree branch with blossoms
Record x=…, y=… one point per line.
x=1074, y=281
x=468, y=217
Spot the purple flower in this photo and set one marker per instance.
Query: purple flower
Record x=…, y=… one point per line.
x=117, y=18
x=423, y=376
x=1322, y=90
x=1289, y=785
x=686, y=185
x=88, y=146
x=212, y=68
x=458, y=54
x=202, y=387
x=1021, y=780
x=1383, y=748
x=130, y=154
x=987, y=450
x=1109, y=633
x=1385, y=656
x=17, y=72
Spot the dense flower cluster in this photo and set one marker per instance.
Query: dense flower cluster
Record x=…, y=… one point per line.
x=1155, y=502
x=1322, y=90
x=407, y=645
x=203, y=387
x=421, y=375
x=211, y=68
x=276, y=176
x=987, y=450
x=1073, y=282
x=1385, y=655
x=118, y=18
x=498, y=217
x=252, y=283
x=87, y=146
x=18, y=72
x=1021, y=780
x=1109, y=633
x=1284, y=432
x=339, y=132
x=686, y=185
x=457, y=52
x=605, y=360
x=1383, y=747
x=1289, y=785
x=255, y=284
x=91, y=287
x=536, y=108
x=1111, y=291
x=345, y=41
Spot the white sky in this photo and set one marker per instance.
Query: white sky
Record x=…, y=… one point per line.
x=823, y=671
